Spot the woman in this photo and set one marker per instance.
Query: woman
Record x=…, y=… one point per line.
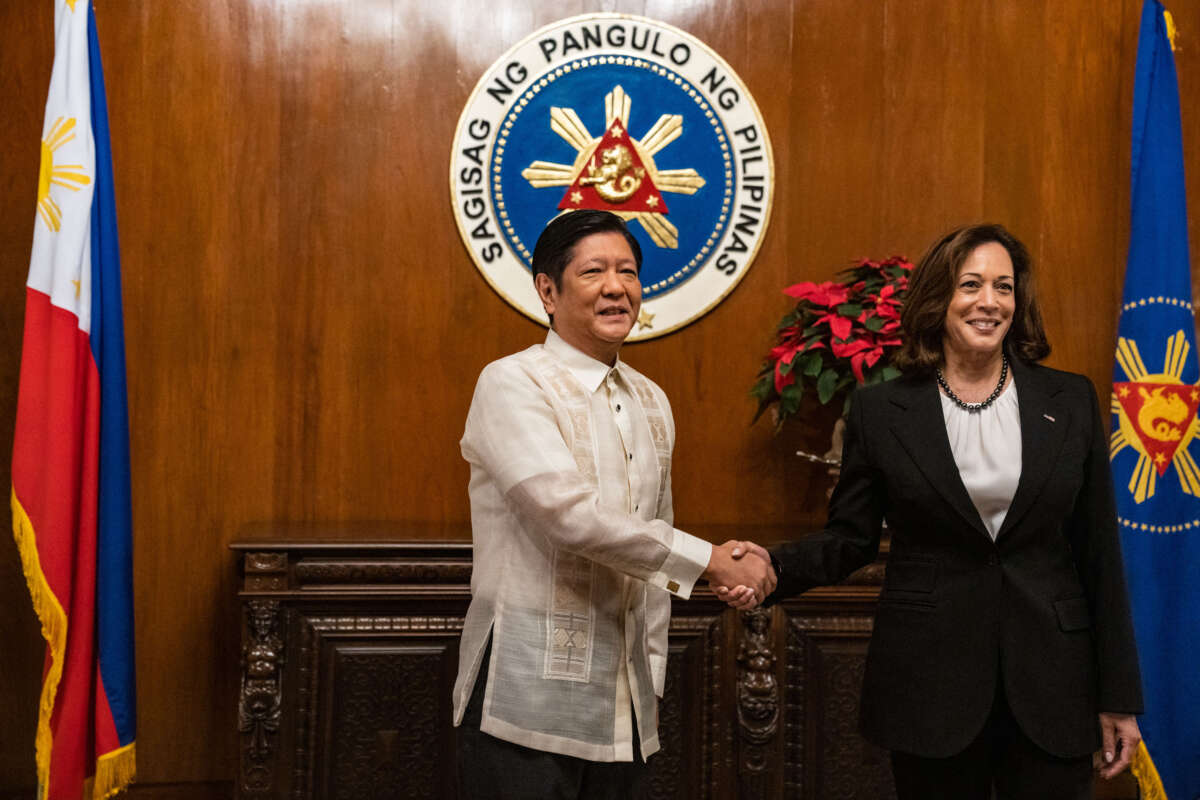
x=1003, y=653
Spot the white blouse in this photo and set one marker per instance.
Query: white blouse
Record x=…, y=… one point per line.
x=987, y=449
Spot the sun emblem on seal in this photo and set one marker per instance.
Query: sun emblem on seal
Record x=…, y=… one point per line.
x=1157, y=418
x=614, y=172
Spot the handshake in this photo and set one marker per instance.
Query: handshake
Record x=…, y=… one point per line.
x=740, y=573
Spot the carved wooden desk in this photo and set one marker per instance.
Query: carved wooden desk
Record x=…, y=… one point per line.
x=350, y=649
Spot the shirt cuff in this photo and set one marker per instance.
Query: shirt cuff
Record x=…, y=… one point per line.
x=685, y=563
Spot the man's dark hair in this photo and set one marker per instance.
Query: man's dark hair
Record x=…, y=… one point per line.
x=556, y=245
x=932, y=285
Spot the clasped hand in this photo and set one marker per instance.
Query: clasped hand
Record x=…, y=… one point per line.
x=740, y=573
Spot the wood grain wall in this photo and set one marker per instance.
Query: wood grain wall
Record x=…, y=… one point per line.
x=304, y=326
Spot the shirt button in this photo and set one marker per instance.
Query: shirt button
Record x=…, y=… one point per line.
x=631, y=456
x=618, y=406
x=635, y=508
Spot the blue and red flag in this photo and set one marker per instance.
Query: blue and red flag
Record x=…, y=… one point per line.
x=70, y=493
x=1154, y=447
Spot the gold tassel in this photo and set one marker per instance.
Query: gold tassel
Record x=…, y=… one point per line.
x=1149, y=784
x=54, y=631
x=114, y=772
x=1172, y=31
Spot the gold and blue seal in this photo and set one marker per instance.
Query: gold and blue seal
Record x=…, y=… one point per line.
x=624, y=114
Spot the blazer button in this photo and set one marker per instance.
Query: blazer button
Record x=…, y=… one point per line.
x=993, y=560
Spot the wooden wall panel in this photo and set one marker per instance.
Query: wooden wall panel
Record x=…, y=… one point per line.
x=1014, y=89
x=933, y=123
x=24, y=78
x=304, y=326
x=1084, y=186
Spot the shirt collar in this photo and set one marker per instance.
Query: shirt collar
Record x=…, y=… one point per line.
x=587, y=370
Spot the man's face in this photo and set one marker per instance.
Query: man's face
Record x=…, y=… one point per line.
x=600, y=297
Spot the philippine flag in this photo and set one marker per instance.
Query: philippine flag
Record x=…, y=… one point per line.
x=70, y=493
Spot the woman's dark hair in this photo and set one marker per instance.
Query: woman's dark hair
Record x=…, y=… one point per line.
x=556, y=245
x=932, y=286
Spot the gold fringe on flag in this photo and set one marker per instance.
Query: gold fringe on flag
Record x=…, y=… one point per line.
x=1149, y=784
x=1172, y=31
x=54, y=630
x=114, y=772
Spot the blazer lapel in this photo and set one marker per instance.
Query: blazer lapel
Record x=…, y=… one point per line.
x=921, y=430
x=1044, y=424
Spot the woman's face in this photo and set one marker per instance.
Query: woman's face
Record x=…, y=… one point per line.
x=981, y=308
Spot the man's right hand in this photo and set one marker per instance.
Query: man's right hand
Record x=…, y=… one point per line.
x=727, y=568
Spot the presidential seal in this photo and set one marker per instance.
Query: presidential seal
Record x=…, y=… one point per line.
x=1156, y=424
x=624, y=114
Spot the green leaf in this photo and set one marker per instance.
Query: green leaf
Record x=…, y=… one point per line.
x=763, y=388
x=811, y=363
x=849, y=309
x=890, y=372
x=762, y=408
x=826, y=385
x=789, y=403
x=873, y=324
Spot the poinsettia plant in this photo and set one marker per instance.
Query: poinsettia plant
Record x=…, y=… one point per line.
x=841, y=333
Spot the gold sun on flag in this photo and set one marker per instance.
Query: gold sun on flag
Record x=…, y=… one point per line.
x=1158, y=419
x=66, y=175
x=567, y=124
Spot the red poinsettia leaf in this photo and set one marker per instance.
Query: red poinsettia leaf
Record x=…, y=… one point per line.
x=856, y=362
x=849, y=348
x=782, y=351
x=840, y=326
x=782, y=379
x=801, y=290
x=788, y=331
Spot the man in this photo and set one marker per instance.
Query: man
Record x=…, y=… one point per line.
x=564, y=646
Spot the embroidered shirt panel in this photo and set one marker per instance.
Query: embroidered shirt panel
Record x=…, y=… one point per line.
x=574, y=551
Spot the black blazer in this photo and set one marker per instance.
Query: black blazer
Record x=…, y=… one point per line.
x=1043, y=608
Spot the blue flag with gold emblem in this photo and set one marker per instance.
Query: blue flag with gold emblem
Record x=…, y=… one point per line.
x=1154, y=446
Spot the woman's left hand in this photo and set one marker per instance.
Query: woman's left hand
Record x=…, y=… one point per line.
x=1119, y=737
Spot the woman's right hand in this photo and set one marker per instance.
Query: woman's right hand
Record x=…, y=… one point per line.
x=743, y=598
x=1120, y=737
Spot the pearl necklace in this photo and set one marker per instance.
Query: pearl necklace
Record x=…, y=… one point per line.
x=971, y=408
